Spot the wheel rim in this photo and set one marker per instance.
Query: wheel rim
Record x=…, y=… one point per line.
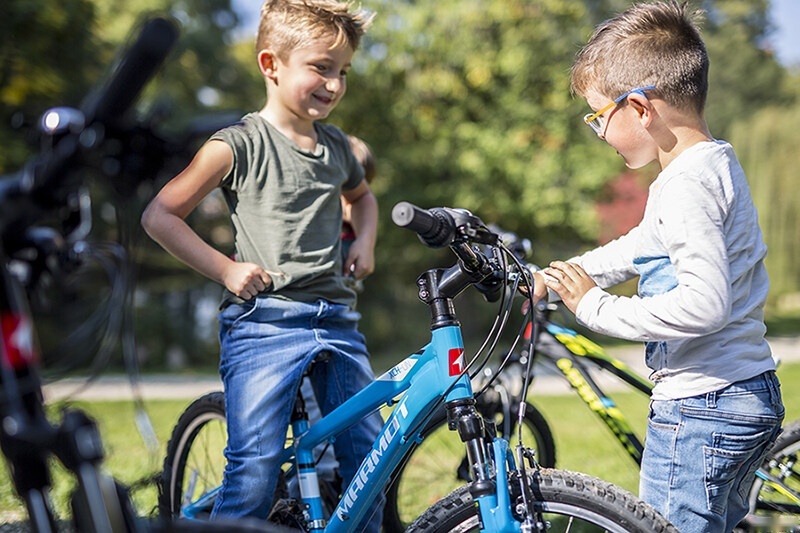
x=201, y=469
x=775, y=506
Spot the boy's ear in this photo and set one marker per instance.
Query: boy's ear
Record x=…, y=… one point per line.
x=267, y=63
x=643, y=107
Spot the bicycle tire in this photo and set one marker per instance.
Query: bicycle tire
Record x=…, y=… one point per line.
x=195, y=457
x=437, y=466
x=769, y=509
x=568, y=501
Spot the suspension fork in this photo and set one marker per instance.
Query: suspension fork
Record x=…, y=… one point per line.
x=464, y=418
x=493, y=470
x=489, y=486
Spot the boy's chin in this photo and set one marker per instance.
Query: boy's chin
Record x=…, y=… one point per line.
x=317, y=114
x=634, y=165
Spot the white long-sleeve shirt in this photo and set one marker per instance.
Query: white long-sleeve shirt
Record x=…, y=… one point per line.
x=699, y=253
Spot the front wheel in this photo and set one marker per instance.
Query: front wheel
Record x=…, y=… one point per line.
x=775, y=495
x=439, y=464
x=567, y=501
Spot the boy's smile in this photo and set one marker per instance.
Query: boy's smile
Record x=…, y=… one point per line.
x=308, y=83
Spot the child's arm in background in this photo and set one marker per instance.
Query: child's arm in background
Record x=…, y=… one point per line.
x=364, y=220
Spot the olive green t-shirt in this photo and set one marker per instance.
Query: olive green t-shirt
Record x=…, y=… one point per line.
x=286, y=210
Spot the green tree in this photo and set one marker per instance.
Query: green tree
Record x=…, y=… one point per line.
x=764, y=143
x=744, y=74
x=47, y=54
x=52, y=53
x=466, y=103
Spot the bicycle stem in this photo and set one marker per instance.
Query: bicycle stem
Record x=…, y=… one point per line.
x=438, y=287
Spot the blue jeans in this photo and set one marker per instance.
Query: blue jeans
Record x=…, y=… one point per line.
x=266, y=345
x=701, y=453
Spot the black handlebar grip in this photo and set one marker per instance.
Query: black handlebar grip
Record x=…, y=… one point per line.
x=133, y=71
x=435, y=227
x=407, y=215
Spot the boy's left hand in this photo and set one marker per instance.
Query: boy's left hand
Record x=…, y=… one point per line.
x=570, y=281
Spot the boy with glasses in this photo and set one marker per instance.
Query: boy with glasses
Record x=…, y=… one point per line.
x=699, y=255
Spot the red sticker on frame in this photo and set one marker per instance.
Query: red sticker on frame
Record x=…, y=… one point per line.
x=456, y=361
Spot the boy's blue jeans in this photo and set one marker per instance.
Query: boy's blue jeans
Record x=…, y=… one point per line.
x=701, y=453
x=266, y=345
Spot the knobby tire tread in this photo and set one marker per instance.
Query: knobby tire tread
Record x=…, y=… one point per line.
x=558, y=486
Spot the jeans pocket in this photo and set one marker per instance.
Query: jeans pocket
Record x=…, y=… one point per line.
x=234, y=314
x=730, y=460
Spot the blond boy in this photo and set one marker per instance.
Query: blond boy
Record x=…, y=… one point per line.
x=283, y=175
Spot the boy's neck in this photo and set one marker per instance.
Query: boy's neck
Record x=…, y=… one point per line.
x=679, y=136
x=302, y=132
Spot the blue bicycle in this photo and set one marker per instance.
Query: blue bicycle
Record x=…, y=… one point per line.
x=508, y=492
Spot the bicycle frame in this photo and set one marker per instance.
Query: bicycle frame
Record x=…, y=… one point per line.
x=21, y=403
x=425, y=378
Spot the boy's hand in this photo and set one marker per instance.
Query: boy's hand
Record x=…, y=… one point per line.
x=246, y=280
x=539, y=291
x=570, y=281
x=360, y=261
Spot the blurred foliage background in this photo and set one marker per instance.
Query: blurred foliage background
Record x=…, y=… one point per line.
x=465, y=103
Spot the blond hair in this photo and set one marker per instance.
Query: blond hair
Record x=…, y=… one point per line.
x=648, y=44
x=287, y=25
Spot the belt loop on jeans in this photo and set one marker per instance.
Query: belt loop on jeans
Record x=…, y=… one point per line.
x=711, y=400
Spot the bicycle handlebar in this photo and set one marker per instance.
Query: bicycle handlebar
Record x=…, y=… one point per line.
x=442, y=226
x=459, y=229
x=435, y=227
x=111, y=102
x=133, y=71
x=46, y=183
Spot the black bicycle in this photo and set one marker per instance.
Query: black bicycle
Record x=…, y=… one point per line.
x=548, y=344
x=45, y=222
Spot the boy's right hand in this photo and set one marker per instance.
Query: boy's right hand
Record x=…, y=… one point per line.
x=539, y=291
x=246, y=280
x=570, y=281
x=539, y=287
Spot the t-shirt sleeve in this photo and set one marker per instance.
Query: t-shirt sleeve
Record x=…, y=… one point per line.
x=235, y=136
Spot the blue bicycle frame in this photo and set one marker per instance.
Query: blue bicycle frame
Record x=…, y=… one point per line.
x=435, y=374
x=425, y=377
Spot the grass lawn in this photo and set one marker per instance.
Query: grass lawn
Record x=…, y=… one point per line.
x=583, y=443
